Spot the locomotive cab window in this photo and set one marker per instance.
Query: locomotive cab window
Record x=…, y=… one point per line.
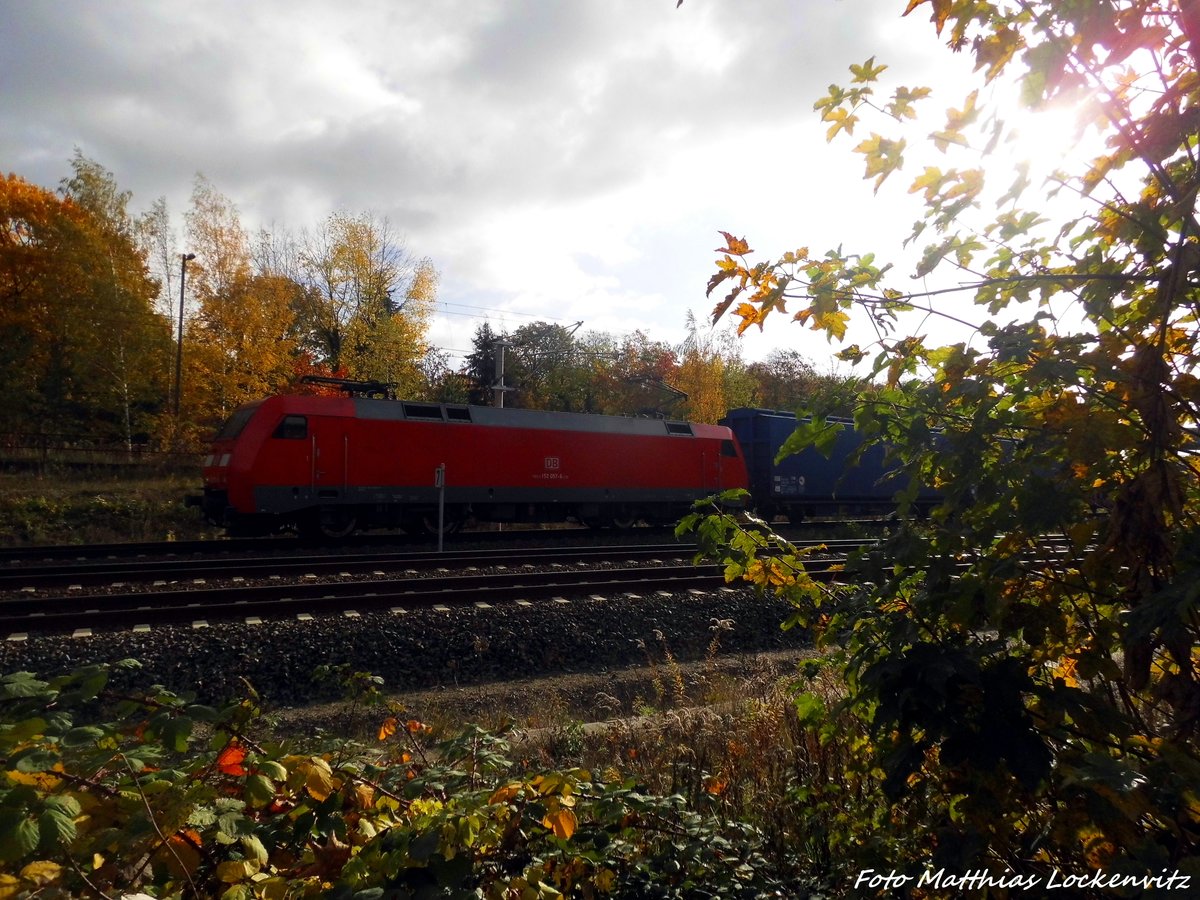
x=728, y=449
x=292, y=428
x=234, y=424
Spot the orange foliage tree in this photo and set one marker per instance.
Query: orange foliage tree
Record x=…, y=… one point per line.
x=82, y=351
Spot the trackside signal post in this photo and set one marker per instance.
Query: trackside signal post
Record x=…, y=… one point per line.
x=498, y=387
x=439, y=482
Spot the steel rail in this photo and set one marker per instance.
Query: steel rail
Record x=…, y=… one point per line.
x=139, y=571
x=120, y=550
x=109, y=611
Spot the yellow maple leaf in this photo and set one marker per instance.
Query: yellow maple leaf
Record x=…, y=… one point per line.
x=562, y=822
x=42, y=872
x=318, y=778
x=364, y=795
x=733, y=245
x=506, y=793
x=605, y=881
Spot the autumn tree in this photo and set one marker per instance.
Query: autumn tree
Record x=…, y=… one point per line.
x=216, y=235
x=393, y=347
x=159, y=246
x=128, y=371
x=548, y=369
x=92, y=308
x=710, y=372
x=370, y=302
x=634, y=381
x=787, y=380
x=238, y=342
x=548, y=366
x=80, y=338
x=241, y=346
x=442, y=383
x=1031, y=704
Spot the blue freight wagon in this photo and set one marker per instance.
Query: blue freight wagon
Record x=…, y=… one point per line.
x=810, y=483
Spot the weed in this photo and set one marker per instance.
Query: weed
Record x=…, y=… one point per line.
x=81, y=508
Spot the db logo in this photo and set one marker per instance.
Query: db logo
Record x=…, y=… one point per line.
x=551, y=462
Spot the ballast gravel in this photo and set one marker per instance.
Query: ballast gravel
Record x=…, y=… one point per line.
x=423, y=648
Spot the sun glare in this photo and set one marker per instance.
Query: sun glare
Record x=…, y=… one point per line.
x=1045, y=141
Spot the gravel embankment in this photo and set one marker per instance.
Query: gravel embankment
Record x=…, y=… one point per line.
x=423, y=648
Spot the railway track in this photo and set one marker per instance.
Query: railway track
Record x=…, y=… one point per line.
x=149, y=592
x=70, y=554
x=83, y=615
x=120, y=573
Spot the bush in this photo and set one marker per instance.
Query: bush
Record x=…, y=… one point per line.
x=108, y=791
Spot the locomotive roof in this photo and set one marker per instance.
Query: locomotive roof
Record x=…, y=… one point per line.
x=418, y=411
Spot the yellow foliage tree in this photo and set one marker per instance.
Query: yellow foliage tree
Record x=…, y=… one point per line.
x=352, y=316
x=711, y=373
x=240, y=347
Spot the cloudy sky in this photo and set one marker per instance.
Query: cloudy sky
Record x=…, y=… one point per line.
x=568, y=160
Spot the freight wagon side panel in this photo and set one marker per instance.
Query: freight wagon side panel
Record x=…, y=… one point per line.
x=808, y=480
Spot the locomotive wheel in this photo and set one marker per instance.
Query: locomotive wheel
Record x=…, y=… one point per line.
x=342, y=528
x=620, y=523
x=450, y=524
x=330, y=526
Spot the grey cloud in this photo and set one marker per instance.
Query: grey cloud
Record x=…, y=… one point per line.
x=438, y=115
x=517, y=101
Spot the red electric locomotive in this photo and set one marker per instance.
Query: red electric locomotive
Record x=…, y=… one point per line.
x=331, y=465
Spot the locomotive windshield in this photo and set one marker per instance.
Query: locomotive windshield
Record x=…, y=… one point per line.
x=234, y=424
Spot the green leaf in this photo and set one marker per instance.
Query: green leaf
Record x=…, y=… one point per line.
x=22, y=684
x=83, y=736
x=815, y=433
x=809, y=708
x=34, y=759
x=867, y=72
x=260, y=790
x=19, y=836
x=424, y=846
x=57, y=829
x=65, y=804
x=19, y=732
x=203, y=713
x=91, y=685
x=176, y=733
x=273, y=769
x=202, y=817
x=1101, y=769
x=254, y=849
